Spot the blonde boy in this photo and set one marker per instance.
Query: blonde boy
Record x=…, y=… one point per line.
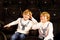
x=45, y=27
x=24, y=25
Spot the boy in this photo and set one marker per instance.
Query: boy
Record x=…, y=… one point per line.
x=45, y=27
x=24, y=25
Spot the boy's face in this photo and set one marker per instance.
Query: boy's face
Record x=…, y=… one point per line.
x=26, y=16
x=43, y=18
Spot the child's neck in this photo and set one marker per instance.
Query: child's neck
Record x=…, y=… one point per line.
x=44, y=21
x=24, y=19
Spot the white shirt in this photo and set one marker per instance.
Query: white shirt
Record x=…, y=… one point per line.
x=40, y=25
x=27, y=28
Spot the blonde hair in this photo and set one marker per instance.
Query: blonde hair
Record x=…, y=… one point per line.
x=27, y=11
x=45, y=14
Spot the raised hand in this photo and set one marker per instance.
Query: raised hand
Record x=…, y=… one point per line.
x=30, y=16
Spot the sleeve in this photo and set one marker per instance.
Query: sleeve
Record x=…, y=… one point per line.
x=50, y=29
x=35, y=26
x=14, y=22
x=34, y=20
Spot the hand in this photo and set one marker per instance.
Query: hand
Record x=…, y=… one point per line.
x=6, y=26
x=30, y=16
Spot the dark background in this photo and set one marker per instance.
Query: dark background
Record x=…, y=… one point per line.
x=10, y=10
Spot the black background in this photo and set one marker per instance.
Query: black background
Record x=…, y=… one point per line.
x=10, y=10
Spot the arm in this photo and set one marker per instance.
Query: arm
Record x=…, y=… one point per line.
x=50, y=30
x=47, y=32
x=34, y=20
x=12, y=23
x=35, y=26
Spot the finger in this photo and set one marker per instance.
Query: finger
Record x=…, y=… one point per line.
x=5, y=26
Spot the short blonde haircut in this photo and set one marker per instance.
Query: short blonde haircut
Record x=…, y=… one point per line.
x=27, y=11
x=45, y=14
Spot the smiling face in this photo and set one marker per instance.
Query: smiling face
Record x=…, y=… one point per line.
x=44, y=17
x=26, y=14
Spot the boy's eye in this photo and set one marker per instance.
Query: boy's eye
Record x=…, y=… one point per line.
x=28, y=15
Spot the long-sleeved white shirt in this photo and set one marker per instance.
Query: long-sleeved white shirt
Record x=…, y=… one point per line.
x=40, y=25
x=27, y=28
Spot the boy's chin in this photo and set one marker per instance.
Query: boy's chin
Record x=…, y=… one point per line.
x=25, y=19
